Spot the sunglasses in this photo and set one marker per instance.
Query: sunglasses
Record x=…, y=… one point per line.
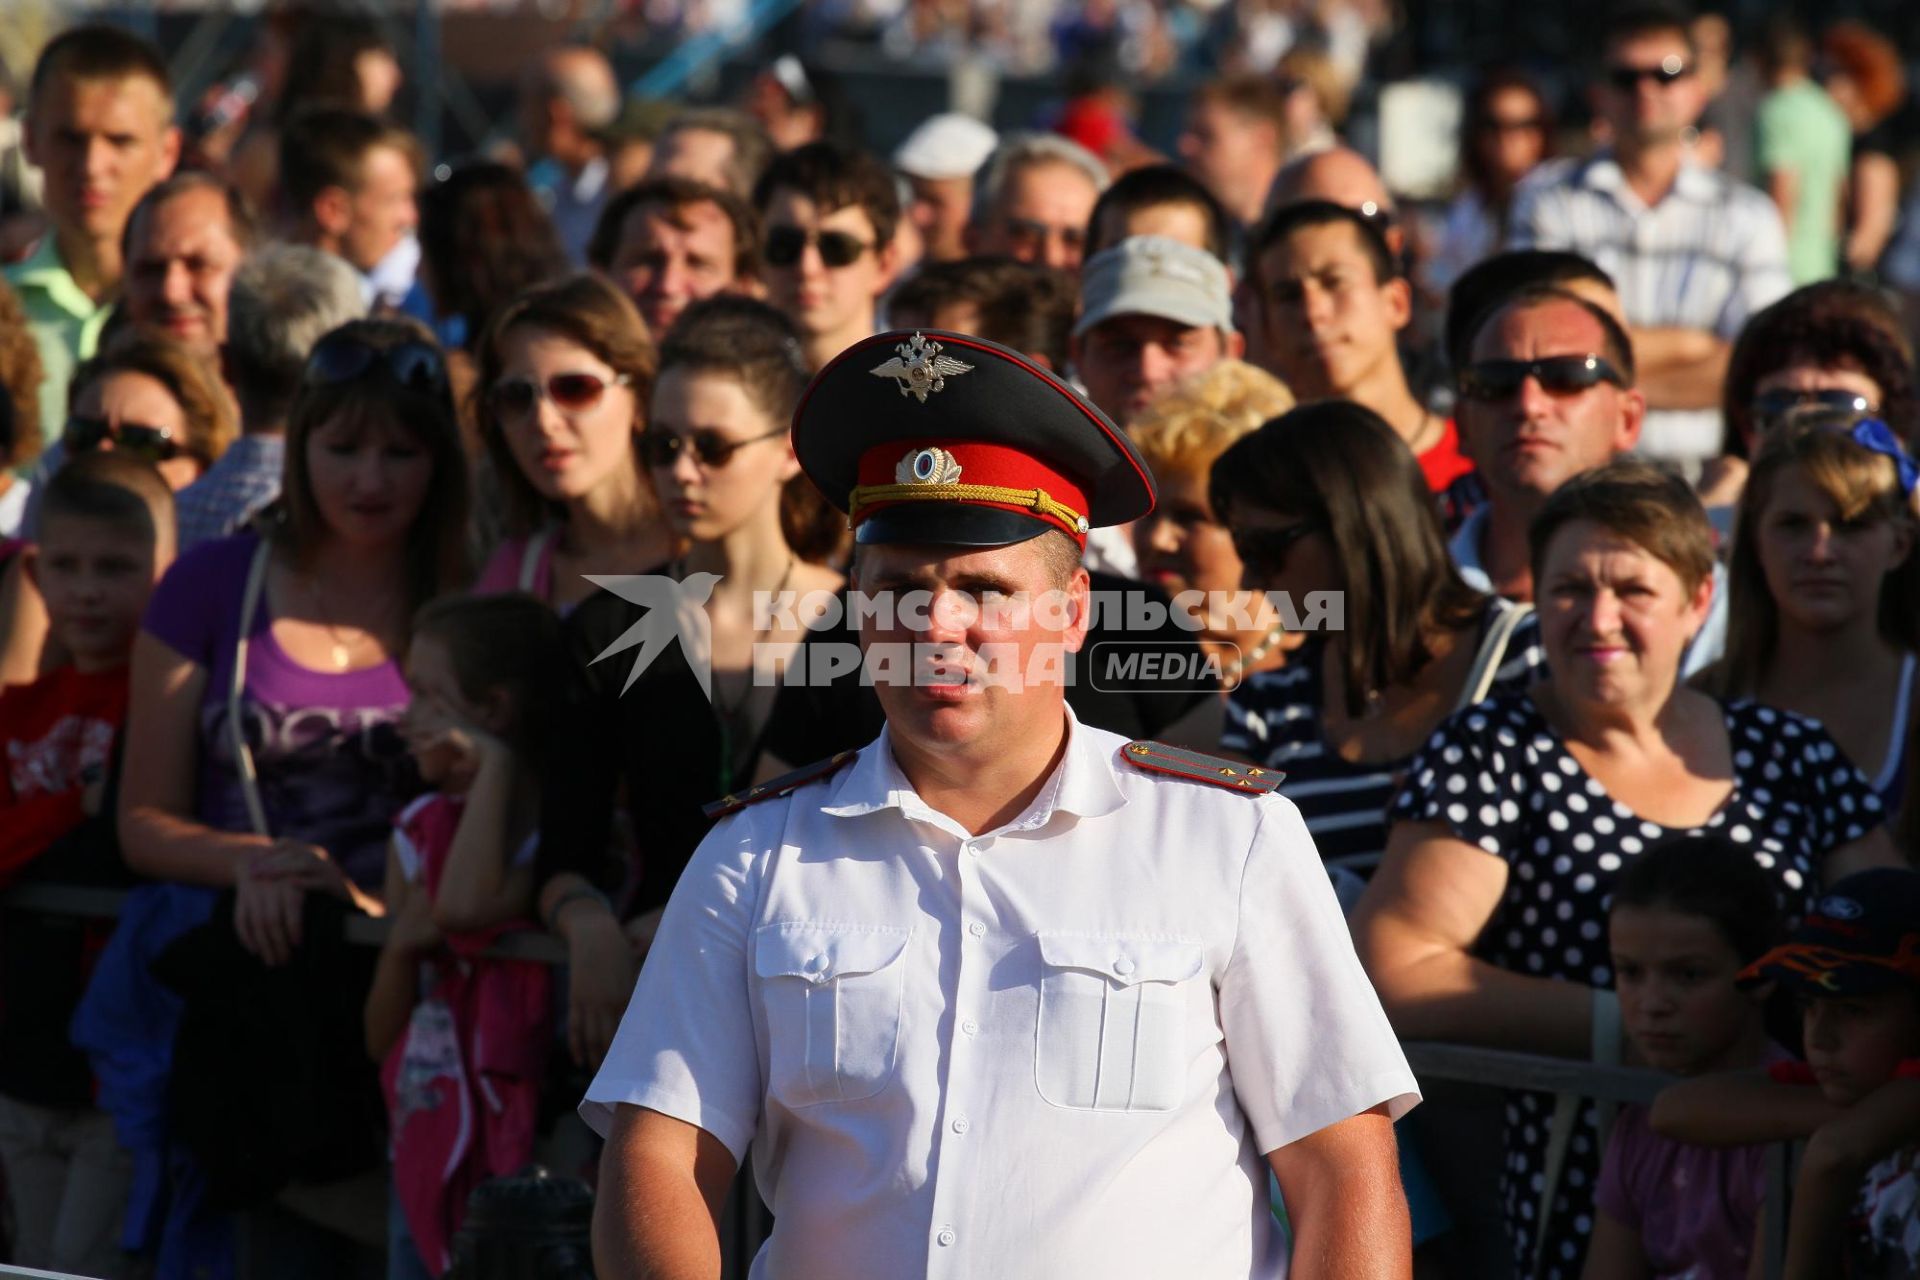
x=837, y=248
x=84, y=435
x=1264, y=551
x=661, y=449
x=1627, y=79
x=342, y=357
x=1770, y=408
x=1557, y=375
x=1532, y=124
x=569, y=392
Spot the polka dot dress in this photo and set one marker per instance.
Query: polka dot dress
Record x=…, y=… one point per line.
x=1501, y=778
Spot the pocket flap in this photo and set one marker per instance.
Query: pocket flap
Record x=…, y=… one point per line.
x=1124, y=960
x=823, y=952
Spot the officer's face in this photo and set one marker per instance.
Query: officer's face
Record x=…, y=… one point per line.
x=968, y=647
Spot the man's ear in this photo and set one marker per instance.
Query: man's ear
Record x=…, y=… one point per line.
x=1633, y=416
x=888, y=257
x=1236, y=345
x=169, y=152
x=333, y=210
x=1399, y=302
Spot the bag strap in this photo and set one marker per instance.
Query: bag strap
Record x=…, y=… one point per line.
x=242, y=753
x=531, y=557
x=1493, y=651
x=1566, y=1115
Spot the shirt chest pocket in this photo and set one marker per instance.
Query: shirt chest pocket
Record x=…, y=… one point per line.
x=832, y=995
x=1114, y=1019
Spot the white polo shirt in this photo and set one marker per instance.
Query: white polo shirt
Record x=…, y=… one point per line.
x=1707, y=256
x=1056, y=1049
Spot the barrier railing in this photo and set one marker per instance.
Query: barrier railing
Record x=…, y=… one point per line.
x=746, y=1218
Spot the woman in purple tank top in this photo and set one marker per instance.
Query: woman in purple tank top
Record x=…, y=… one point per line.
x=262, y=751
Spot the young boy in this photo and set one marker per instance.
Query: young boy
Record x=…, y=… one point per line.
x=1854, y=965
x=107, y=534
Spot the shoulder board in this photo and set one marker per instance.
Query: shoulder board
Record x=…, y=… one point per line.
x=1178, y=762
x=785, y=784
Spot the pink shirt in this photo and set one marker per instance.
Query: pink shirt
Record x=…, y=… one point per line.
x=1696, y=1208
x=510, y=568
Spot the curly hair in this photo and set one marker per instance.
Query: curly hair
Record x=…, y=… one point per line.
x=210, y=417
x=1191, y=424
x=1833, y=324
x=20, y=376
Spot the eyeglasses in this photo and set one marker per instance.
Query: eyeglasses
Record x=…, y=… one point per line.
x=1264, y=551
x=1027, y=231
x=85, y=434
x=1531, y=124
x=1557, y=375
x=343, y=357
x=569, y=392
x=1770, y=408
x=837, y=248
x=661, y=449
x=1627, y=79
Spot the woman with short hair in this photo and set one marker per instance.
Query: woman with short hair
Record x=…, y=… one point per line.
x=1485, y=923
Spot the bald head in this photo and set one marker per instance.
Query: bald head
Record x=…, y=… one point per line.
x=1338, y=174
x=582, y=78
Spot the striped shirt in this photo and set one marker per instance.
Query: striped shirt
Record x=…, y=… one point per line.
x=1707, y=256
x=1275, y=718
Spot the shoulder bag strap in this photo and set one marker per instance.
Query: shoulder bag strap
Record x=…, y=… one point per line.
x=242, y=753
x=530, y=558
x=1493, y=651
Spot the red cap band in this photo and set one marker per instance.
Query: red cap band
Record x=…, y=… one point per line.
x=971, y=472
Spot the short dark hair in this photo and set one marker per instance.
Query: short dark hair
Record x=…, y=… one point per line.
x=1340, y=464
x=744, y=339
x=1632, y=498
x=835, y=177
x=1299, y=216
x=327, y=147
x=1647, y=17
x=512, y=641
x=1026, y=307
x=673, y=194
x=1257, y=97
x=1617, y=346
x=99, y=51
x=1489, y=282
x=1835, y=324
x=241, y=219
x=114, y=487
x=1711, y=877
x=1160, y=184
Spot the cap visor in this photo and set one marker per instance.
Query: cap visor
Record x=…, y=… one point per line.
x=1818, y=972
x=949, y=524
x=1158, y=306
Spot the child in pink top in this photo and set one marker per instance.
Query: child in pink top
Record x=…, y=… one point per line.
x=1686, y=917
x=464, y=1036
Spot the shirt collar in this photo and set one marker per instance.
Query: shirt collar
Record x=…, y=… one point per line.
x=1082, y=784
x=1692, y=183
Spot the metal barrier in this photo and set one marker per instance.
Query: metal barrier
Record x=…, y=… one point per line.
x=745, y=1221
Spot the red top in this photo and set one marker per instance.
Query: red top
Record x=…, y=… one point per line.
x=1444, y=463
x=57, y=739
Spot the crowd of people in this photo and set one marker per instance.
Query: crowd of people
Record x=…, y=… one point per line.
x=314, y=474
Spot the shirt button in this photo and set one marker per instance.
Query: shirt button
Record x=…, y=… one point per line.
x=960, y=1125
x=977, y=929
x=1123, y=966
x=816, y=963
x=970, y=1027
x=946, y=1236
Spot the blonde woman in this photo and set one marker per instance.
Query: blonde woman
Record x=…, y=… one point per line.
x=1183, y=547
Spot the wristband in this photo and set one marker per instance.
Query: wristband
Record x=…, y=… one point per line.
x=573, y=895
x=1606, y=1028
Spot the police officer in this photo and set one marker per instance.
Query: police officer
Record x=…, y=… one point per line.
x=1000, y=994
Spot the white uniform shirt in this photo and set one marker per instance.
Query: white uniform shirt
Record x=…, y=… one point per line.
x=1707, y=256
x=1007, y=1055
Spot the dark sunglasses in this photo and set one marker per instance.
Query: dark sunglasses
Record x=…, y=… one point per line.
x=1557, y=375
x=342, y=357
x=1627, y=79
x=1532, y=124
x=84, y=435
x=1771, y=407
x=837, y=248
x=661, y=449
x=1264, y=551
x=570, y=392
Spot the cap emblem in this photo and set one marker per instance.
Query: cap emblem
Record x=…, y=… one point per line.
x=1835, y=907
x=919, y=370
x=927, y=466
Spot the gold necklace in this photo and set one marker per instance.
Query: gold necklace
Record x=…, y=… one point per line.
x=340, y=650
